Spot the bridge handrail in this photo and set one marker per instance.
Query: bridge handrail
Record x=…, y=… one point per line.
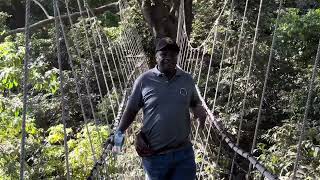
x=263, y=170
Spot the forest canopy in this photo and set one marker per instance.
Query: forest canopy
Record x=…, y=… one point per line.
x=297, y=39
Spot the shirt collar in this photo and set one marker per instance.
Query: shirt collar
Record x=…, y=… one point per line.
x=156, y=71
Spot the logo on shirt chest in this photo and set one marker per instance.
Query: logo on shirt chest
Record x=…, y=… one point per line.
x=183, y=92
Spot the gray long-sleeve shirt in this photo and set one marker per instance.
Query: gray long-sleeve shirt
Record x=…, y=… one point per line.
x=165, y=103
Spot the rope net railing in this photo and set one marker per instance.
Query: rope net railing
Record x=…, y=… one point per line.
x=104, y=70
x=219, y=152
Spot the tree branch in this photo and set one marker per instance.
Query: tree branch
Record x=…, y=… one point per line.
x=43, y=9
x=112, y=7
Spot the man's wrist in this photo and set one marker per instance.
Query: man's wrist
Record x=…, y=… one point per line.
x=118, y=138
x=119, y=131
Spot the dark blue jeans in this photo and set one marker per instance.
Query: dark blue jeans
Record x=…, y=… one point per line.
x=177, y=165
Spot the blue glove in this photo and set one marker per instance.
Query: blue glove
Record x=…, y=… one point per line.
x=118, y=142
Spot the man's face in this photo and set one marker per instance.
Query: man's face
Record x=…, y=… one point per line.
x=167, y=60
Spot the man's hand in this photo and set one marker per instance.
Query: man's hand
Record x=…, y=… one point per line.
x=200, y=113
x=115, y=142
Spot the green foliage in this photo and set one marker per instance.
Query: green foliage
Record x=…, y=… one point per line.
x=82, y=156
x=3, y=17
x=11, y=58
x=56, y=134
x=45, y=154
x=10, y=136
x=280, y=157
x=297, y=42
x=284, y=104
x=109, y=19
x=45, y=160
x=295, y=50
x=105, y=107
x=298, y=33
x=113, y=32
x=11, y=65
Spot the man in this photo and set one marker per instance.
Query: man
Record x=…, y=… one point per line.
x=165, y=93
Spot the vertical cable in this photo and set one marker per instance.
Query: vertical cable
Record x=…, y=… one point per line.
x=77, y=85
x=25, y=89
x=306, y=112
x=63, y=100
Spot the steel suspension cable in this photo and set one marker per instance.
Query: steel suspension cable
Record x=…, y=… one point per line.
x=191, y=61
x=100, y=60
x=265, y=84
x=126, y=61
x=25, y=89
x=186, y=51
x=179, y=31
x=242, y=111
x=200, y=73
x=63, y=100
x=111, y=45
x=203, y=56
x=196, y=65
x=183, y=25
x=97, y=78
x=182, y=50
x=96, y=27
x=201, y=64
x=83, y=69
x=121, y=58
x=198, y=126
x=216, y=93
x=248, y=80
x=306, y=112
x=127, y=51
x=98, y=50
x=134, y=47
x=238, y=52
x=186, y=55
x=226, y=36
x=235, y=148
x=114, y=63
x=109, y=93
x=124, y=52
x=182, y=54
x=192, y=54
x=180, y=41
x=220, y=71
x=76, y=77
x=130, y=48
x=211, y=57
x=108, y=66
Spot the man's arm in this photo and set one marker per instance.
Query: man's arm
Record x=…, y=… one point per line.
x=197, y=109
x=117, y=139
x=134, y=104
x=199, y=112
x=127, y=118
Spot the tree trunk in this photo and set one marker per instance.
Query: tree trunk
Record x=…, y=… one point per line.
x=162, y=16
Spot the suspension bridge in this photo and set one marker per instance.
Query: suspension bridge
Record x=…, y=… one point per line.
x=218, y=154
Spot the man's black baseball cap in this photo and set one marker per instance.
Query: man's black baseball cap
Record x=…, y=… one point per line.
x=166, y=43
